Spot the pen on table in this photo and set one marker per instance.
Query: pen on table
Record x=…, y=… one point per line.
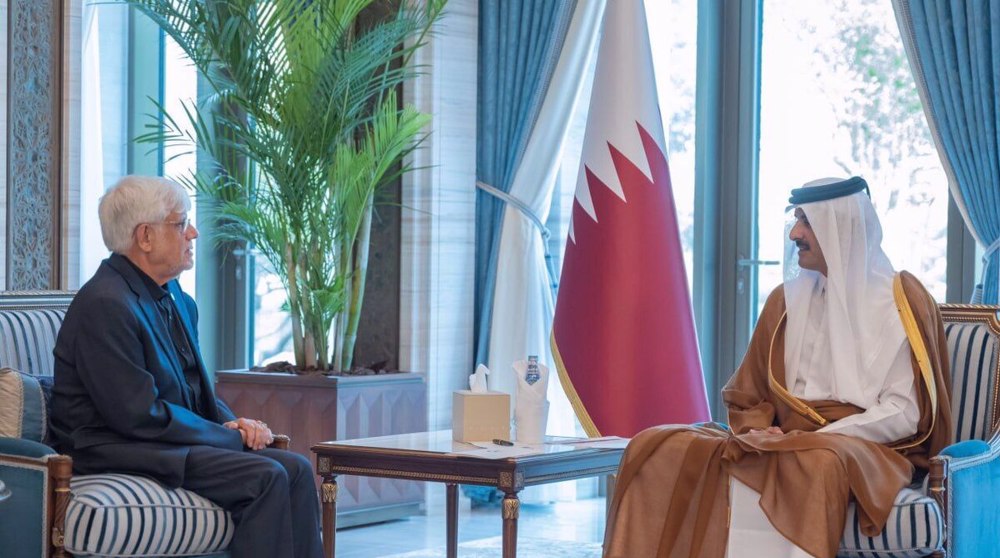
x=500, y=442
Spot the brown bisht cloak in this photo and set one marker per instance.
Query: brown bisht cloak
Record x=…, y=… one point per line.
x=671, y=498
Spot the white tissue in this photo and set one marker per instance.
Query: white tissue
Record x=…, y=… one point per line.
x=531, y=408
x=477, y=381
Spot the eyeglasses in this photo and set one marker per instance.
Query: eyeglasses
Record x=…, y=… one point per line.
x=181, y=225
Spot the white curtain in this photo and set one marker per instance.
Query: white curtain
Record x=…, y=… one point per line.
x=523, y=306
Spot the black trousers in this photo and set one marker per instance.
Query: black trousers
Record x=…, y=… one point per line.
x=270, y=494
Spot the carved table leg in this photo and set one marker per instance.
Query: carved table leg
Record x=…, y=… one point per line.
x=329, y=514
x=511, y=511
x=451, y=496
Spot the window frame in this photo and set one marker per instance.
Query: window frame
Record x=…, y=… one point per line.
x=727, y=110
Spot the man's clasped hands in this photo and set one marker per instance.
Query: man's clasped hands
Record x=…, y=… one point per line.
x=256, y=435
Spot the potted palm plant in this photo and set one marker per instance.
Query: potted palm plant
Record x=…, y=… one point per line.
x=303, y=127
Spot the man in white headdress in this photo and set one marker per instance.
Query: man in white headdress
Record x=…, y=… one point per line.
x=842, y=396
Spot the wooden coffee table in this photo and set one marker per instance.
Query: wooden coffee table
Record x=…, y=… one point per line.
x=434, y=457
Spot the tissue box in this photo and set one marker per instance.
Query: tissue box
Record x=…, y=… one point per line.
x=480, y=417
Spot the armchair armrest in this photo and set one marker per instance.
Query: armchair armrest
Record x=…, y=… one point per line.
x=281, y=442
x=32, y=518
x=965, y=480
x=23, y=448
x=968, y=448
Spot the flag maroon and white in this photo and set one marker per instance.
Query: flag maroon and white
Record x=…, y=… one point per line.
x=623, y=336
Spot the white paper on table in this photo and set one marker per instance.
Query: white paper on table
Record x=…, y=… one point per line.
x=605, y=442
x=489, y=450
x=618, y=443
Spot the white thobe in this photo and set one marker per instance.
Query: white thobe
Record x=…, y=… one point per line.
x=750, y=532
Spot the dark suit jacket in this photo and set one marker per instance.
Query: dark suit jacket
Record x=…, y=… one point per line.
x=118, y=398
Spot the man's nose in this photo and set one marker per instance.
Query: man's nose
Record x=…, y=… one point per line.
x=192, y=232
x=794, y=234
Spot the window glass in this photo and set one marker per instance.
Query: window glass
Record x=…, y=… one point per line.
x=674, y=39
x=180, y=87
x=272, y=324
x=105, y=118
x=838, y=99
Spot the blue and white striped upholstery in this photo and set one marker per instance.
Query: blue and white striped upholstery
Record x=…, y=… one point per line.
x=27, y=338
x=973, y=353
x=914, y=528
x=124, y=515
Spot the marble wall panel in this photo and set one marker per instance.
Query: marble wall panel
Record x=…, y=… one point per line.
x=438, y=232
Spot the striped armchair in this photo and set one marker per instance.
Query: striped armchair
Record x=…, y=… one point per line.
x=50, y=512
x=956, y=513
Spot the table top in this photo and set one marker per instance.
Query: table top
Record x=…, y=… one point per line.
x=435, y=457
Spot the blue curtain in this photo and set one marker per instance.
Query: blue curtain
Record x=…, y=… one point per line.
x=956, y=59
x=519, y=45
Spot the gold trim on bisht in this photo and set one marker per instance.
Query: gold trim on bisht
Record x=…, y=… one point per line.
x=574, y=398
x=797, y=405
x=917, y=345
x=919, y=352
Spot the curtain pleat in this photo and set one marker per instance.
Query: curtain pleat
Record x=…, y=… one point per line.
x=519, y=42
x=955, y=57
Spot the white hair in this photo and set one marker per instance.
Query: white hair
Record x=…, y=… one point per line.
x=135, y=200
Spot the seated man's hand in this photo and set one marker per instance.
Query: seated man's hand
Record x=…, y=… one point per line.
x=256, y=435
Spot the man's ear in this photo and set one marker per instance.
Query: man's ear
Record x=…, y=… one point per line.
x=142, y=237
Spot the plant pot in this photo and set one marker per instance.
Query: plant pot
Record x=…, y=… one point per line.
x=313, y=409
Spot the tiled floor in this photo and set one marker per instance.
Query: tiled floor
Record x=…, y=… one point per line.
x=581, y=521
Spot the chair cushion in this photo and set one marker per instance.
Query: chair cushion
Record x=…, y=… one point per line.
x=131, y=516
x=973, y=353
x=23, y=405
x=914, y=529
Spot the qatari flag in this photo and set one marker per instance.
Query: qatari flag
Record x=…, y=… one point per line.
x=623, y=335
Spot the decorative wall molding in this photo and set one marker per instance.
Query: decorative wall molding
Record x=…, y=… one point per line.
x=71, y=139
x=3, y=143
x=34, y=143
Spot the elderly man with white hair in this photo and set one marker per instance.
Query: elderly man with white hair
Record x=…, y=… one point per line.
x=131, y=393
x=842, y=397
